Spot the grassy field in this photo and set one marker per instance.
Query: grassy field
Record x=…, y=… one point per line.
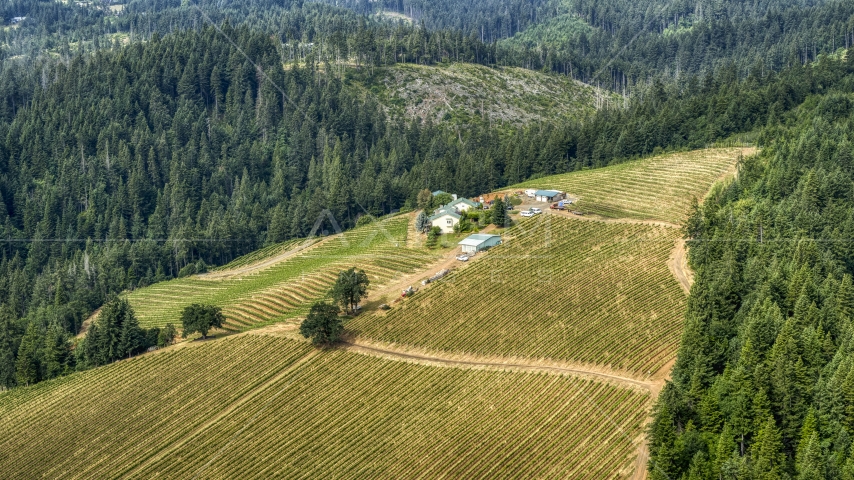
x=278, y=408
x=558, y=289
x=461, y=94
x=656, y=188
x=287, y=288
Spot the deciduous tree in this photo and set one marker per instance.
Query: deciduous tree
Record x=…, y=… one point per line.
x=322, y=325
x=350, y=288
x=198, y=318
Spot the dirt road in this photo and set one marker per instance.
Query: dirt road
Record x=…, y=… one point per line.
x=448, y=260
x=678, y=265
x=493, y=364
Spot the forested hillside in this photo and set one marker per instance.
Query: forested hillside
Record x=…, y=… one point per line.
x=488, y=20
x=123, y=167
x=617, y=42
x=620, y=43
x=762, y=387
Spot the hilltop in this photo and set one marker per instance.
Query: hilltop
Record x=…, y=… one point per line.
x=659, y=188
x=464, y=93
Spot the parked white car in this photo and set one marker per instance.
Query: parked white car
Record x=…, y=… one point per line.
x=536, y=210
x=528, y=213
x=463, y=258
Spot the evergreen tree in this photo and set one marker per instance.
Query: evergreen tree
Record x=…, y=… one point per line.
x=421, y=222
x=28, y=367
x=769, y=461
x=57, y=357
x=131, y=339
x=7, y=348
x=499, y=213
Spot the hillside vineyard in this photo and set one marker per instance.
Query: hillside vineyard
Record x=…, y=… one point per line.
x=427, y=239
x=557, y=289
x=292, y=415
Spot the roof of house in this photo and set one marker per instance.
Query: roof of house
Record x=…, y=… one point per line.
x=438, y=192
x=462, y=200
x=547, y=193
x=477, y=239
x=444, y=211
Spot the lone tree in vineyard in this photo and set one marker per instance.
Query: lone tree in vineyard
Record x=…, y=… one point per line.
x=322, y=325
x=350, y=288
x=200, y=318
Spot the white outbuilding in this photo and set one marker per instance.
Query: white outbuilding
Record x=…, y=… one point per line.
x=548, y=195
x=462, y=205
x=479, y=242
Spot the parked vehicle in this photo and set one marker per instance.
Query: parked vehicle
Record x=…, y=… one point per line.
x=408, y=292
x=536, y=210
x=530, y=192
x=463, y=258
x=528, y=213
x=510, y=207
x=557, y=206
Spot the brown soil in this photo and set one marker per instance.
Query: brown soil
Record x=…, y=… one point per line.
x=678, y=265
x=84, y=327
x=494, y=363
x=391, y=291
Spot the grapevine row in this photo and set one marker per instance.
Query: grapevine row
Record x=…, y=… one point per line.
x=594, y=293
x=658, y=188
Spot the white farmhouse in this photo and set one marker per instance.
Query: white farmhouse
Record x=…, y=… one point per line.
x=445, y=218
x=461, y=205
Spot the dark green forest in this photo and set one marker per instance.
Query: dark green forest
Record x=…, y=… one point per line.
x=618, y=44
x=763, y=384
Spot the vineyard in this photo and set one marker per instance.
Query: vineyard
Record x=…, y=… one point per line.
x=261, y=254
x=557, y=289
x=591, y=293
x=657, y=188
x=285, y=289
x=277, y=408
